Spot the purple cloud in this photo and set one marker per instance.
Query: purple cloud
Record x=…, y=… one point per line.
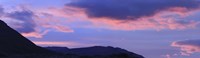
x=31, y=23
x=26, y=16
x=130, y=9
x=1, y=10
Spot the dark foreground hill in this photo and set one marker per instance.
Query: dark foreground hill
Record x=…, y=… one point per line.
x=12, y=42
x=14, y=45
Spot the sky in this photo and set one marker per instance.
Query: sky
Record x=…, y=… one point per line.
x=154, y=28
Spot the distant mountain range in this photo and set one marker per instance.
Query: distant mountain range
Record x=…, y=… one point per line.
x=95, y=51
x=14, y=45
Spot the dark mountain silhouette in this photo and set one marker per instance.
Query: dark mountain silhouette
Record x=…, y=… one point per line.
x=95, y=51
x=14, y=45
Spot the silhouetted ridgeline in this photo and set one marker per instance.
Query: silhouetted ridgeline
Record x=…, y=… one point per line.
x=14, y=45
x=97, y=51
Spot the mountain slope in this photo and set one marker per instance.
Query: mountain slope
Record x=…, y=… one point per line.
x=96, y=51
x=13, y=43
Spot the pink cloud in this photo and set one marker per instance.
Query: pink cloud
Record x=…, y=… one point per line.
x=60, y=28
x=36, y=34
x=62, y=43
x=167, y=56
x=187, y=47
x=156, y=22
x=50, y=22
x=59, y=18
x=143, y=24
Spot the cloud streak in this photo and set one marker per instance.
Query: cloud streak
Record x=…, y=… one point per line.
x=61, y=43
x=188, y=46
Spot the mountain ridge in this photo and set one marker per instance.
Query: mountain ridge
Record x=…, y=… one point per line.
x=94, y=51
